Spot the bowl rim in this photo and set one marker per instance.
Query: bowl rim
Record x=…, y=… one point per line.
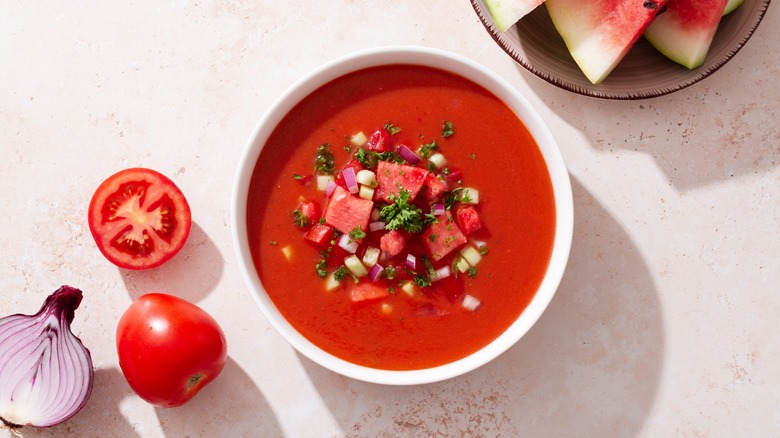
x=448, y=61
x=698, y=74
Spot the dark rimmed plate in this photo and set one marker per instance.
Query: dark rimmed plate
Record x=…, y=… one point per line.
x=536, y=45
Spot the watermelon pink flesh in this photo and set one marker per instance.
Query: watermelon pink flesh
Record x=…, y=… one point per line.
x=599, y=33
x=508, y=12
x=346, y=212
x=395, y=177
x=442, y=237
x=685, y=30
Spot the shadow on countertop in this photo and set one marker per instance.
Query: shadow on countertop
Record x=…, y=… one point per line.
x=191, y=274
x=231, y=405
x=720, y=128
x=591, y=366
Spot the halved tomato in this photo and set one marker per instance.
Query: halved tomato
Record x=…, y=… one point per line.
x=139, y=218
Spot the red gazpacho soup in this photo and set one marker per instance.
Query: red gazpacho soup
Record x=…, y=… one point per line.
x=401, y=217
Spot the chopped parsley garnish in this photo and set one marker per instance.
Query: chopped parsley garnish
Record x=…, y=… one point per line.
x=296, y=176
x=432, y=237
x=390, y=272
x=483, y=250
x=466, y=197
x=472, y=156
x=422, y=280
x=392, y=129
x=273, y=243
x=348, y=148
x=370, y=158
x=322, y=221
x=450, y=198
x=356, y=234
x=324, y=160
x=300, y=219
x=427, y=150
x=446, y=129
x=401, y=214
x=430, y=219
x=340, y=273
x=322, y=268
x=472, y=272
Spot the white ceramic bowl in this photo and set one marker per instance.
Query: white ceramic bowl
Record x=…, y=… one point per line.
x=465, y=68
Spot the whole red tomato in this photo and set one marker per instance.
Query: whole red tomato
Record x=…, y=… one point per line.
x=169, y=349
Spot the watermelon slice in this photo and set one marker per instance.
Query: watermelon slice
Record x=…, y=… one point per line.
x=684, y=32
x=599, y=33
x=508, y=12
x=731, y=5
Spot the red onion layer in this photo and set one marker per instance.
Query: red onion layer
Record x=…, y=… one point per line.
x=46, y=373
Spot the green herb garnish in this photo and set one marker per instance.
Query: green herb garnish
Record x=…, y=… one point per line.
x=322, y=268
x=401, y=214
x=472, y=272
x=446, y=129
x=392, y=129
x=324, y=160
x=427, y=150
x=483, y=250
x=296, y=176
x=356, y=234
x=300, y=219
x=422, y=280
x=340, y=273
x=389, y=272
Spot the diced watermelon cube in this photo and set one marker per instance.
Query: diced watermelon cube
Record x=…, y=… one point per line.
x=346, y=212
x=468, y=220
x=367, y=290
x=311, y=211
x=392, y=243
x=380, y=141
x=391, y=176
x=442, y=237
x=320, y=235
x=433, y=187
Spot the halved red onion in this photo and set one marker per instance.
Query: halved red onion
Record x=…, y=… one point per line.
x=46, y=373
x=408, y=155
x=375, y=272
x=376, y=226
x=350, y=179
x=330, y=188
x=411, y=262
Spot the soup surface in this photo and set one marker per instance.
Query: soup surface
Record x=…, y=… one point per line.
x=414, y=324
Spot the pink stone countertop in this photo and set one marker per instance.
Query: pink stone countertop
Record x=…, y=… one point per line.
x=667, y=319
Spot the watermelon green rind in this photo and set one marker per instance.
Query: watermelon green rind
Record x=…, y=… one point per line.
x=599, y=33
x=731, y=5
x=685, y=30
x=508, y=12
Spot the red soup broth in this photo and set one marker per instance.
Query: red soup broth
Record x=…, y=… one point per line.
x=496, y=154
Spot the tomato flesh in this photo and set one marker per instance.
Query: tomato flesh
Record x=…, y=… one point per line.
x=139, y=218
x=169, y=349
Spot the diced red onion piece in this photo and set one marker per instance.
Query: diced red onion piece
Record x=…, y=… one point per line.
x=438, y=209
x=411, y=262
x=375, y=272
x=376, y=226
x=350, y=179
x=347, y=244
x=408, y=155
x=441, y=273
x=471, y=303
x=330, y=188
